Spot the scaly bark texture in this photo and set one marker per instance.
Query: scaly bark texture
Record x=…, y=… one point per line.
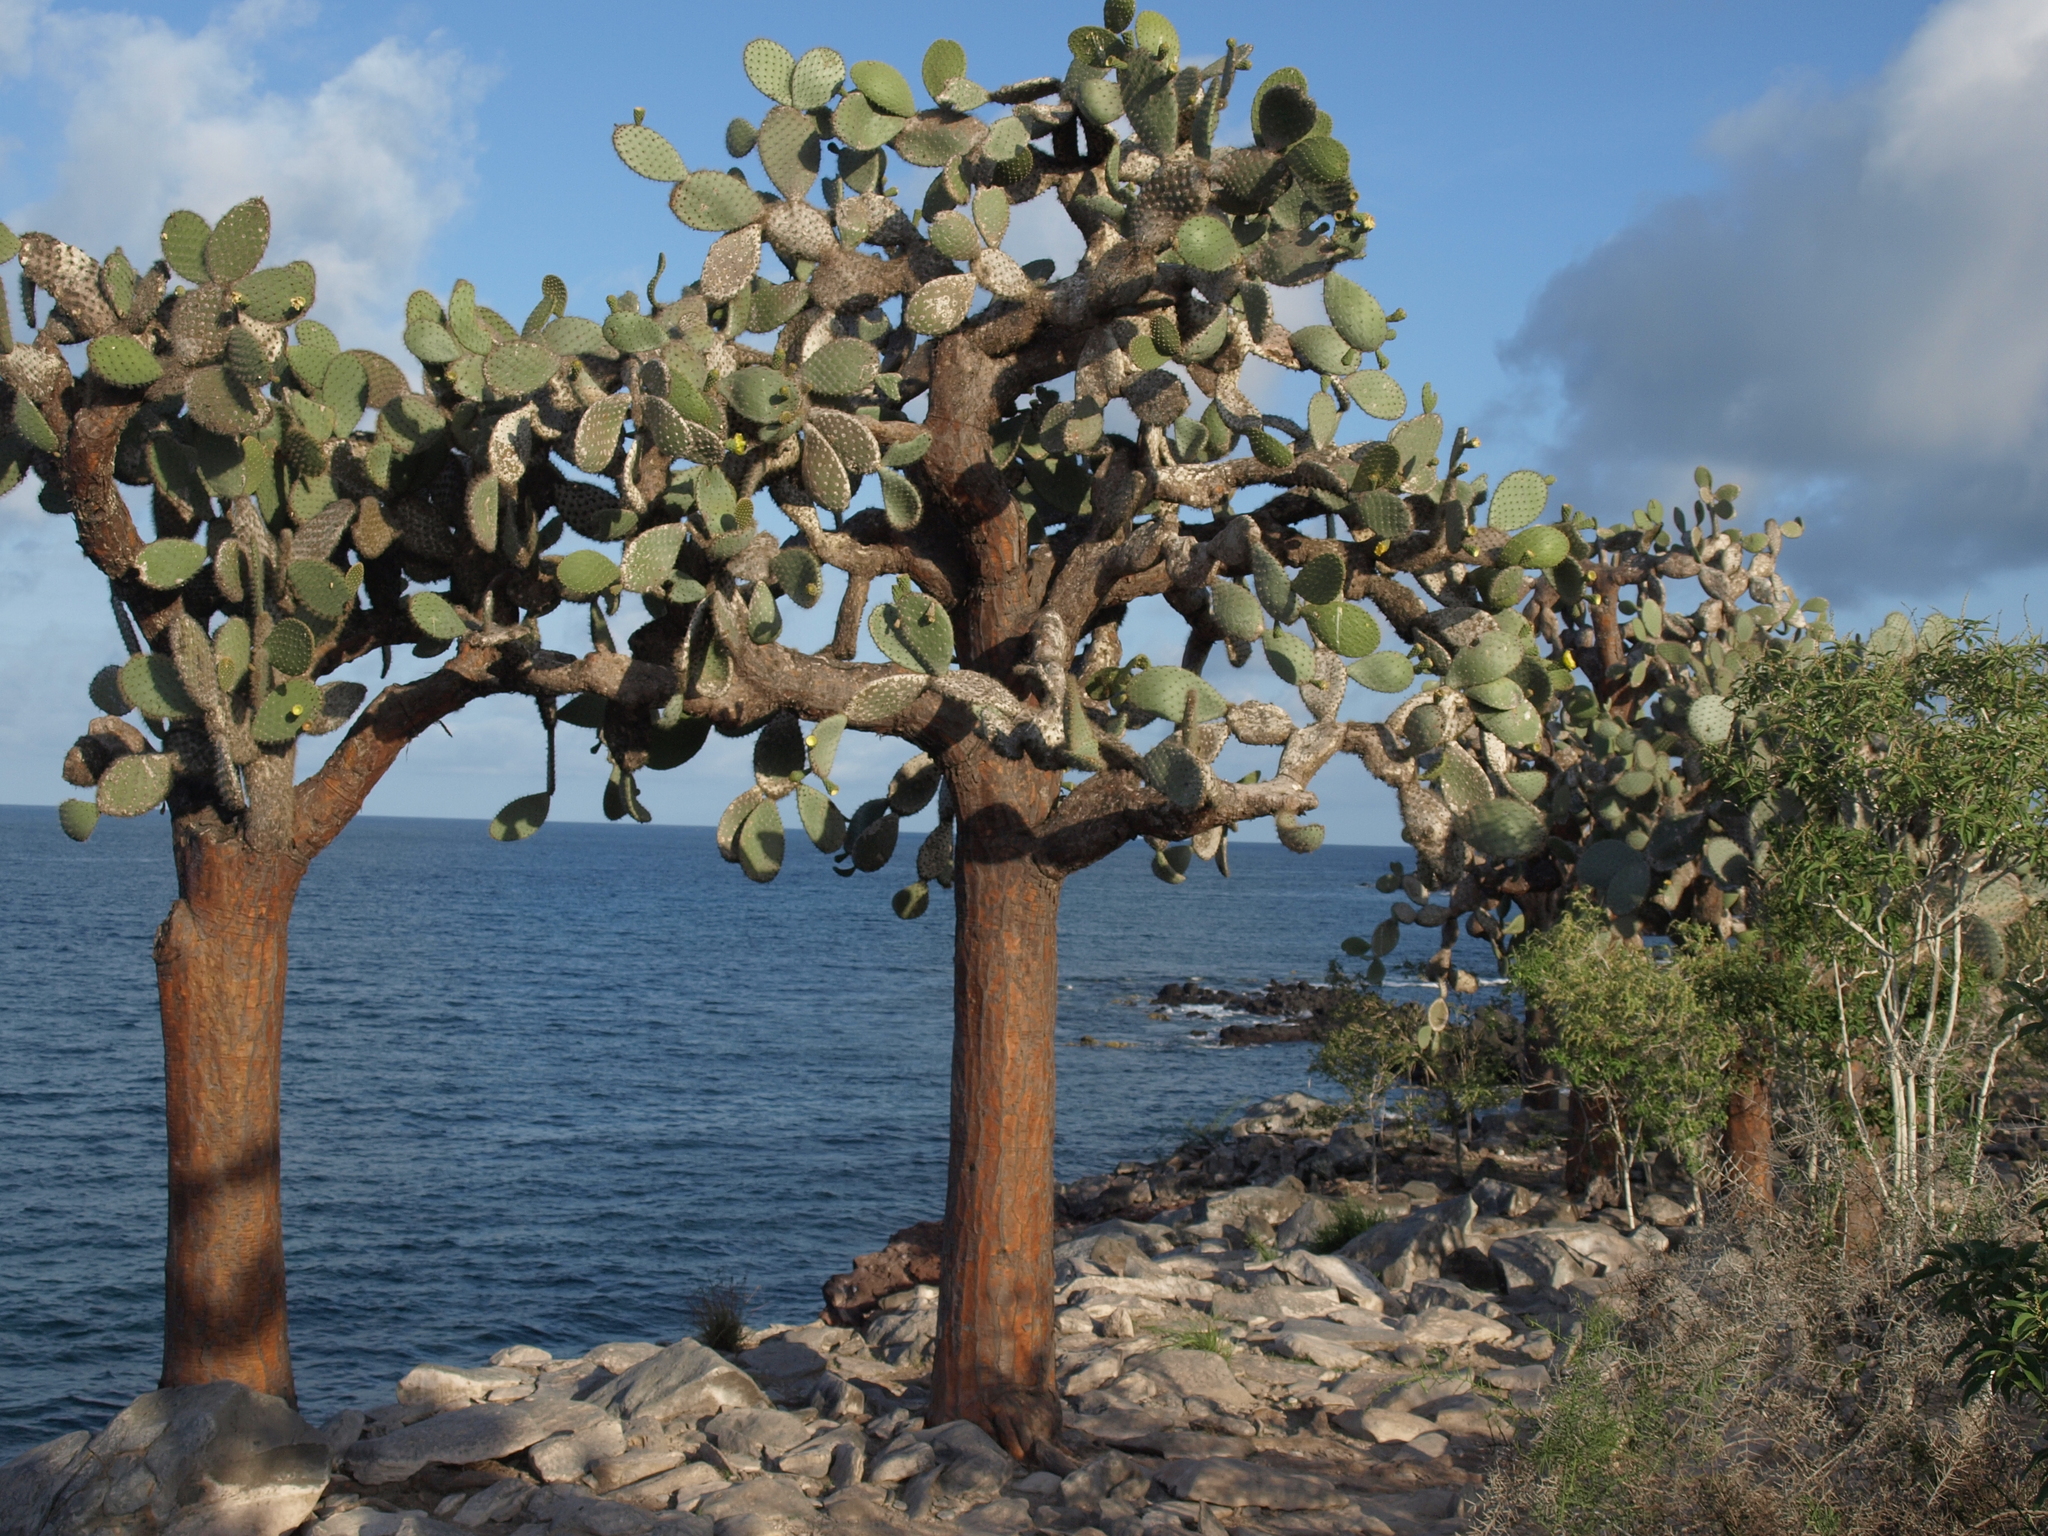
x=995, y=1355
x=220, y=958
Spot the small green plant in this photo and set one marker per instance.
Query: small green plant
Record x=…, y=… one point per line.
x=718, y=1313
x=1266, y=1252
x=1372, y=1048
x=1348, y=1218
x=1999, y=1292
x=1211, y=1338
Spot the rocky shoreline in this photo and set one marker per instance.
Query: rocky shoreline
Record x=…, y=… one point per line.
x=1250, y=1340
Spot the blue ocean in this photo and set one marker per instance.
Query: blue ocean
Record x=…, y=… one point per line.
x=539, y=1093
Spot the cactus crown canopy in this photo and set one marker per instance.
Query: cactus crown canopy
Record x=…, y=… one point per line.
x=761, y=437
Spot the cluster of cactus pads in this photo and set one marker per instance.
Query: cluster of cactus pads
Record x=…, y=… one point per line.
x=1565, y=701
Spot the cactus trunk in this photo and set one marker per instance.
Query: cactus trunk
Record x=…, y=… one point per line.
x=220, y=958
x=1749, y=1135
x=995, y=1346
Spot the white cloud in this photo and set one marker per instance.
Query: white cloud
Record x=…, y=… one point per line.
x=1851, y=324
x=361, y=170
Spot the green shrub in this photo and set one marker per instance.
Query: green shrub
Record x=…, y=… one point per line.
x=1347, y=1219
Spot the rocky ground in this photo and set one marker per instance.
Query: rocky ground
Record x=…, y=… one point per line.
x=1228, y=1364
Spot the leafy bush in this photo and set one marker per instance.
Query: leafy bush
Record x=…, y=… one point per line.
x=1347, y=1219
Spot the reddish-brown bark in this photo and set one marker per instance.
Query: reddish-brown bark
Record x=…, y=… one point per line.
x=995, y=1345
x=220, y=958
x=1748, y=1138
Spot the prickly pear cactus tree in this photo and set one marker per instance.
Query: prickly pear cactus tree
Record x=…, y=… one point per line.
x=309, y=508
x=993, y=460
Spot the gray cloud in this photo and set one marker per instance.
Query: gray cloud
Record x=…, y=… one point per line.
x=1851, y=325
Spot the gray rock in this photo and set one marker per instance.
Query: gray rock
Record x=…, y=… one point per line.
x=972, y=1466
x=194, y=1461
x=1309, y=1218
x=341, y=1432
x=1413, y=1247
x=1233, y=1207
x=1519, y=1378
x=998, y=1517
x=497, y=1503
x=30, y=1482
x=760, y=1506
x=1663, y=1210
x=1120, y=1255
x=1237, y=1484
x=1382, y=1426
x=680, y=1523
x=1597, y=1246
x=837, y=1398
x=456, y=1386
x=1195, y=1373
x=788, y=1370
x=621, y=1358
x=1534, y=1262
x=1447, y=1293
x=684, y=1381
x=565, y=1458
x=904, y=1459
x=684, y=1484
x=527, y=1355
x=484, y=1432
x=756, y=1431
x=905, y=1337
x=573, y=1509
x=816, y=1456
x=1088, y=1487
x=1415, y=1396
x=1497, y=1197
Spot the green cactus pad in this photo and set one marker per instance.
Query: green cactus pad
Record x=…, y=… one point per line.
x=78, y=818
x=1295, y=835
x=31, y=425
x=429, y=341
x=323, y=589
x=858, y=125
x=883, y=700
x=183, y=240
x=823, y=822
x=596, y=437
x=709, y=201
x=1386, y=515
x=901, y=502
x=1416, y=441
x=904, y=454
x=799, y=575
x=585, y=573
x=992, y=214
x=435, y=617
x=849, y=437
x=913, y=631
x=277, y=295
x=105, y=692
x=740, y=139
x=519, y=368
x=1269, y=450
x=1503, y=829
x=1163, y=691
x=762, y=394
x=221, y=405
x=671, y=435
x=1346, y=629
x=1207, y=243
x=1501, y=693
x=824, y=476
x=248, y=360
x=884, y=87
x=1491, y=656
x=1517, y=501
x=940, y=305
x=1321, y=580
x=1355, y=313
x=912, y=901
x=1517, y=727
x=168, y=564
x=290, y=647
x=955, y=237
x=1724, y=856
x=1236, y=611
x=1171, y=864
x=1537, y=549
x=345, y=390
x=134, y=785
x=1711, y=719
x=1383, y=672
x=521, y=818
x=944, y=61
x=1175, y=772
x=650, y=559
x=760, y=843
x=1291, y=658
x=236, y=246
x=1377, y=393
x=1154, y=35
x=769, y=66
x=815, y=79
x=231, y=652
x=1270, y=581
x=788, y=144
x=1319, y=160
x=647, y=153
x=843, y=367
x=286, y=712
x=122, y=361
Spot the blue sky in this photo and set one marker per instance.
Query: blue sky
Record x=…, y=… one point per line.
x=1801, y=243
